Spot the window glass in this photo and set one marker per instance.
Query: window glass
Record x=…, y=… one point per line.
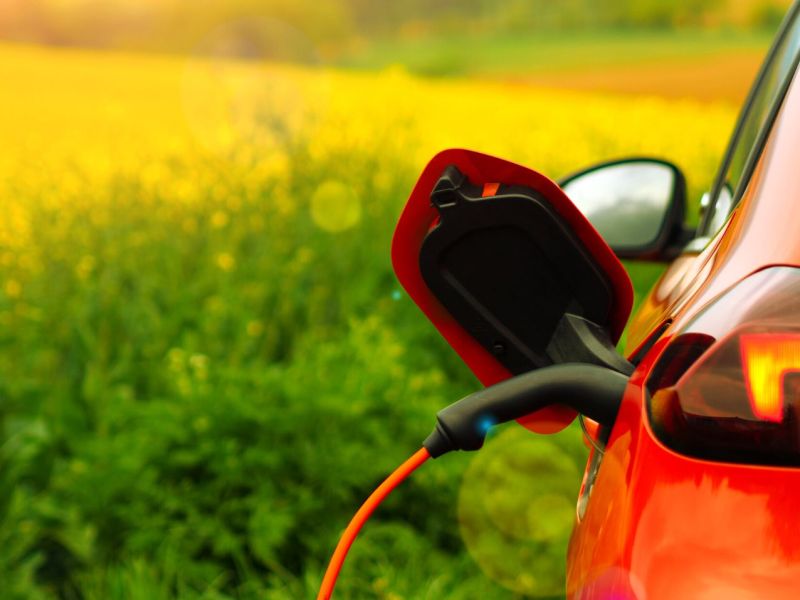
x=755, y=118
x=722, y=209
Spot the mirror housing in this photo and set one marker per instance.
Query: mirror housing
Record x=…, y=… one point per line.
x=637, y=204
x=510, y=272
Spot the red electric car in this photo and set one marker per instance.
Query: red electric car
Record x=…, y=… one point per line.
x=693, y=490
x=692, y=487
x=695, y=494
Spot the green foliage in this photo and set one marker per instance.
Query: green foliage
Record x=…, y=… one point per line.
x=196, y=395
x=520, y=54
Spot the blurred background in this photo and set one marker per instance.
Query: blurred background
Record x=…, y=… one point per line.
x=206, y=362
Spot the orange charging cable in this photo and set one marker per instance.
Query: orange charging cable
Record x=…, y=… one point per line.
x=357, y=522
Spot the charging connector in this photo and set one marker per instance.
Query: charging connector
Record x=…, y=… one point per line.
x=591, y=390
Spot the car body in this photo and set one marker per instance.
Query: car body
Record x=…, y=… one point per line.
x=653, y=522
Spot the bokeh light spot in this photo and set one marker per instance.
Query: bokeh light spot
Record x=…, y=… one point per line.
x=516, y=509
x=335, y=206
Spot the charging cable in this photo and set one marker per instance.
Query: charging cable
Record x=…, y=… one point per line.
x=592, y=390
x=357, y=522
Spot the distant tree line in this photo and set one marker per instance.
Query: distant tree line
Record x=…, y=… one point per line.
x=570, y=14
x=177, y=25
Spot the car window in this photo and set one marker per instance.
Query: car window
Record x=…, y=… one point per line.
x=755, y=122
x=722, y=208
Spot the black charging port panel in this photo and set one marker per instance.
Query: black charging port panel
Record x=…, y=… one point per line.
x=511, y=272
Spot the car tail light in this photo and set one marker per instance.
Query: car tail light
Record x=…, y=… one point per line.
x=728, y=385
x=767, y=358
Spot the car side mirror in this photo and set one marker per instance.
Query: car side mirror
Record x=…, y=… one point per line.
x=638, y=205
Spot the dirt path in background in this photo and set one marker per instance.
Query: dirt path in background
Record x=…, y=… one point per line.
x=720, y=77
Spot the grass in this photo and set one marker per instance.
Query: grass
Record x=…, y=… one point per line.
x=205, y=360
x=699, y=64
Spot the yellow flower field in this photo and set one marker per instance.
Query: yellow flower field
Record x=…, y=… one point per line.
x=205, y=360
x=66, y=110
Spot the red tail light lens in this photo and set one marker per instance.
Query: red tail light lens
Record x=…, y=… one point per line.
x=766, y=360
x=728, y=386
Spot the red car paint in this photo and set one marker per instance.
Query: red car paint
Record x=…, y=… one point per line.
x=662, y=525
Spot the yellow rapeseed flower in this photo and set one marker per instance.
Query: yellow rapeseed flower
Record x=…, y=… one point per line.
x=225, y=261
x=255, y=328
x=85, y=266
x=12, y=288
x=219, y=219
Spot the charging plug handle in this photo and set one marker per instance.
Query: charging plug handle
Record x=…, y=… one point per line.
x=593, y=391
